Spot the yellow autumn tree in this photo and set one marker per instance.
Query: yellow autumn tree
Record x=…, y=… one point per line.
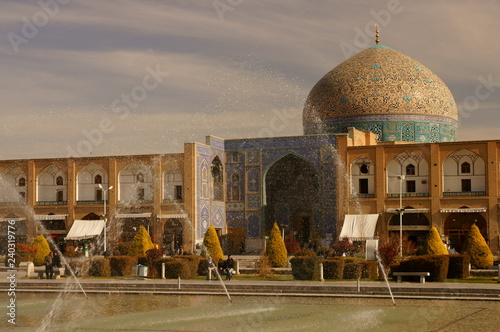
x=477, y=249
x=275, y=248
x=43, y=249
x=212, y=244
x=141, y=243
x=434, y=245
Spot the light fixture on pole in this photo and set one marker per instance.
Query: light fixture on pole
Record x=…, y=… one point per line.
x=401, y=179
x=105, y=218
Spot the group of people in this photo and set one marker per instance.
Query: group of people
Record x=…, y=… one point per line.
x=225, y=267
x=51, y=260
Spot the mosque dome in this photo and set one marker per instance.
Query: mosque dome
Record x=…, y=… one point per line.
x=386, y=92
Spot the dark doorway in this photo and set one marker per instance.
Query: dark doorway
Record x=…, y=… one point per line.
x=172, y=237
x=457, y=225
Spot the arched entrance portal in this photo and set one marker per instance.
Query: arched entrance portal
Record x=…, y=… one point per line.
x=172, y=237
x=292, y=191
x=415, y=224
x=457, y=225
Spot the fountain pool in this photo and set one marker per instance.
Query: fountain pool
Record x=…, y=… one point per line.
x=122, y=312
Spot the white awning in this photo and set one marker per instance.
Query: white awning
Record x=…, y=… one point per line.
x=359, y=227
x=177, y=216
x=50, y=216
x=85, y=229
x=468, y=210
x=408, y=211
x=133, y=215
x=15, y=219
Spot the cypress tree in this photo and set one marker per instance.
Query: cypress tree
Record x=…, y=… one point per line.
x=434, y=245
x=212, y=244
x=43, y=249
x=477, y=249
x=141, y=243
x=276, y=249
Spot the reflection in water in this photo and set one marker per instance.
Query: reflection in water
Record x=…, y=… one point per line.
x=118, y=312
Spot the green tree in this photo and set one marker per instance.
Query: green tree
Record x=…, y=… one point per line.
x=434, y=245
x=43, y=249
x=276, y=249
x=141, y=243
x=476, y=248
x=212, y=244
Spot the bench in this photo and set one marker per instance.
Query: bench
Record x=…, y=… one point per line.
x=58, y=272
x=422, y=275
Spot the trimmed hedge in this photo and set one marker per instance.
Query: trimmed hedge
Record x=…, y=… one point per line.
x=122, y=265
x=369, y=269
x=333, y=269
x=437, y=265
x=458, y=268
x=153, y=255
x=193, y=262
x=100, y=268
x=202, y=266
x=306, y=267
x=175, y=268
x=80, y=268
x=352, y=270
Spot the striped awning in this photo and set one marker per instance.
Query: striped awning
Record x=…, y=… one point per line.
x=176, y=216
x=408, y=210
x=50, y=216
x=133, y=215
x=465, y=210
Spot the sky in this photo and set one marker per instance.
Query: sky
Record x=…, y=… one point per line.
x=122, y=77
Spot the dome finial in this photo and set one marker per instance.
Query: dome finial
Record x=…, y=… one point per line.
x=376, y=34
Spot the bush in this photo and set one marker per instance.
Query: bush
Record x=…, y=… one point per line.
x=140, y=243
x=333, y=269
x=70, y=251
x=369, y=269
x=43, y=249
x=212, y=245
x=193, y=262
x=437, y=265
x=476, y=248
x=22, y=253
x=123, y=249
x=352, y=270
x=325, y=252
x=305, y=252
x=202, y=266
x=306, y=267
x=263, y=266
x=275, y=248
x=345, y=246
x=100, y=268
x=434, y=245
x=122, y=265
x=292, y=245
x=153, y=255
x=175, y=268
x=80, y=268
x=458, y=268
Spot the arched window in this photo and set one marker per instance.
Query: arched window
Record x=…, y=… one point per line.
x=235, y=177
x=98, y=179
x=410, y=169
x=22, y=182
x=363, y=169
x=59, y=181
x=140, y=178
x=465, y=168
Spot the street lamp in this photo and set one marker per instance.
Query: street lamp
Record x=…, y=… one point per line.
x=401, y=179
x=104, y=216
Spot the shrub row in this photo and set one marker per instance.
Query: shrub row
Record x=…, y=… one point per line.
x=184, y=266
x=306, y=267
x=437, y=265
x=349, y=268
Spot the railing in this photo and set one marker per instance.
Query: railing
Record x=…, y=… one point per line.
x=396, y=195
x=363, y=196
x=172, y=201
x=138, y=201
x=12, y=203
x=464, y=193
x=94, y=202
x=45, y=203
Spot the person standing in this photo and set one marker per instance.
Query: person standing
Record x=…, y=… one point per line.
x=56, y=260
x=49, y=269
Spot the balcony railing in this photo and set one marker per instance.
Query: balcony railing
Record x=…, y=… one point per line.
x=137, y=201
x=94, y=202
x=363, y=196
x=172, y=201
x=464, y=193
x=12, y=203
x=45, y=203
x=396, y=195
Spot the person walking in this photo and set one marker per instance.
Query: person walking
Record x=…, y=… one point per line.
x=49, y=269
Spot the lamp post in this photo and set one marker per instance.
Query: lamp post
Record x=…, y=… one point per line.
x=104, y=216
x=401, y=179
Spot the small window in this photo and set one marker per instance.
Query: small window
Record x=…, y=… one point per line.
x=22, y=182
x=59, y=181
x=410, y=186
x=363, y=186
x=178, y=193
x=235, y=177
x=465, y=168
x=98, y=195
x=410, y=169
x=363, y=169
x=140, y=194
x=466, y=185
x=98, y=179
x=140, y=178
x=235, y=157
x=60, y=196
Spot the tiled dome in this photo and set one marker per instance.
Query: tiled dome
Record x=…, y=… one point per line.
x=386, y=92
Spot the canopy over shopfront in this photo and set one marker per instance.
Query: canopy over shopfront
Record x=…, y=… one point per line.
x=359, y=227
x=85, y=229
